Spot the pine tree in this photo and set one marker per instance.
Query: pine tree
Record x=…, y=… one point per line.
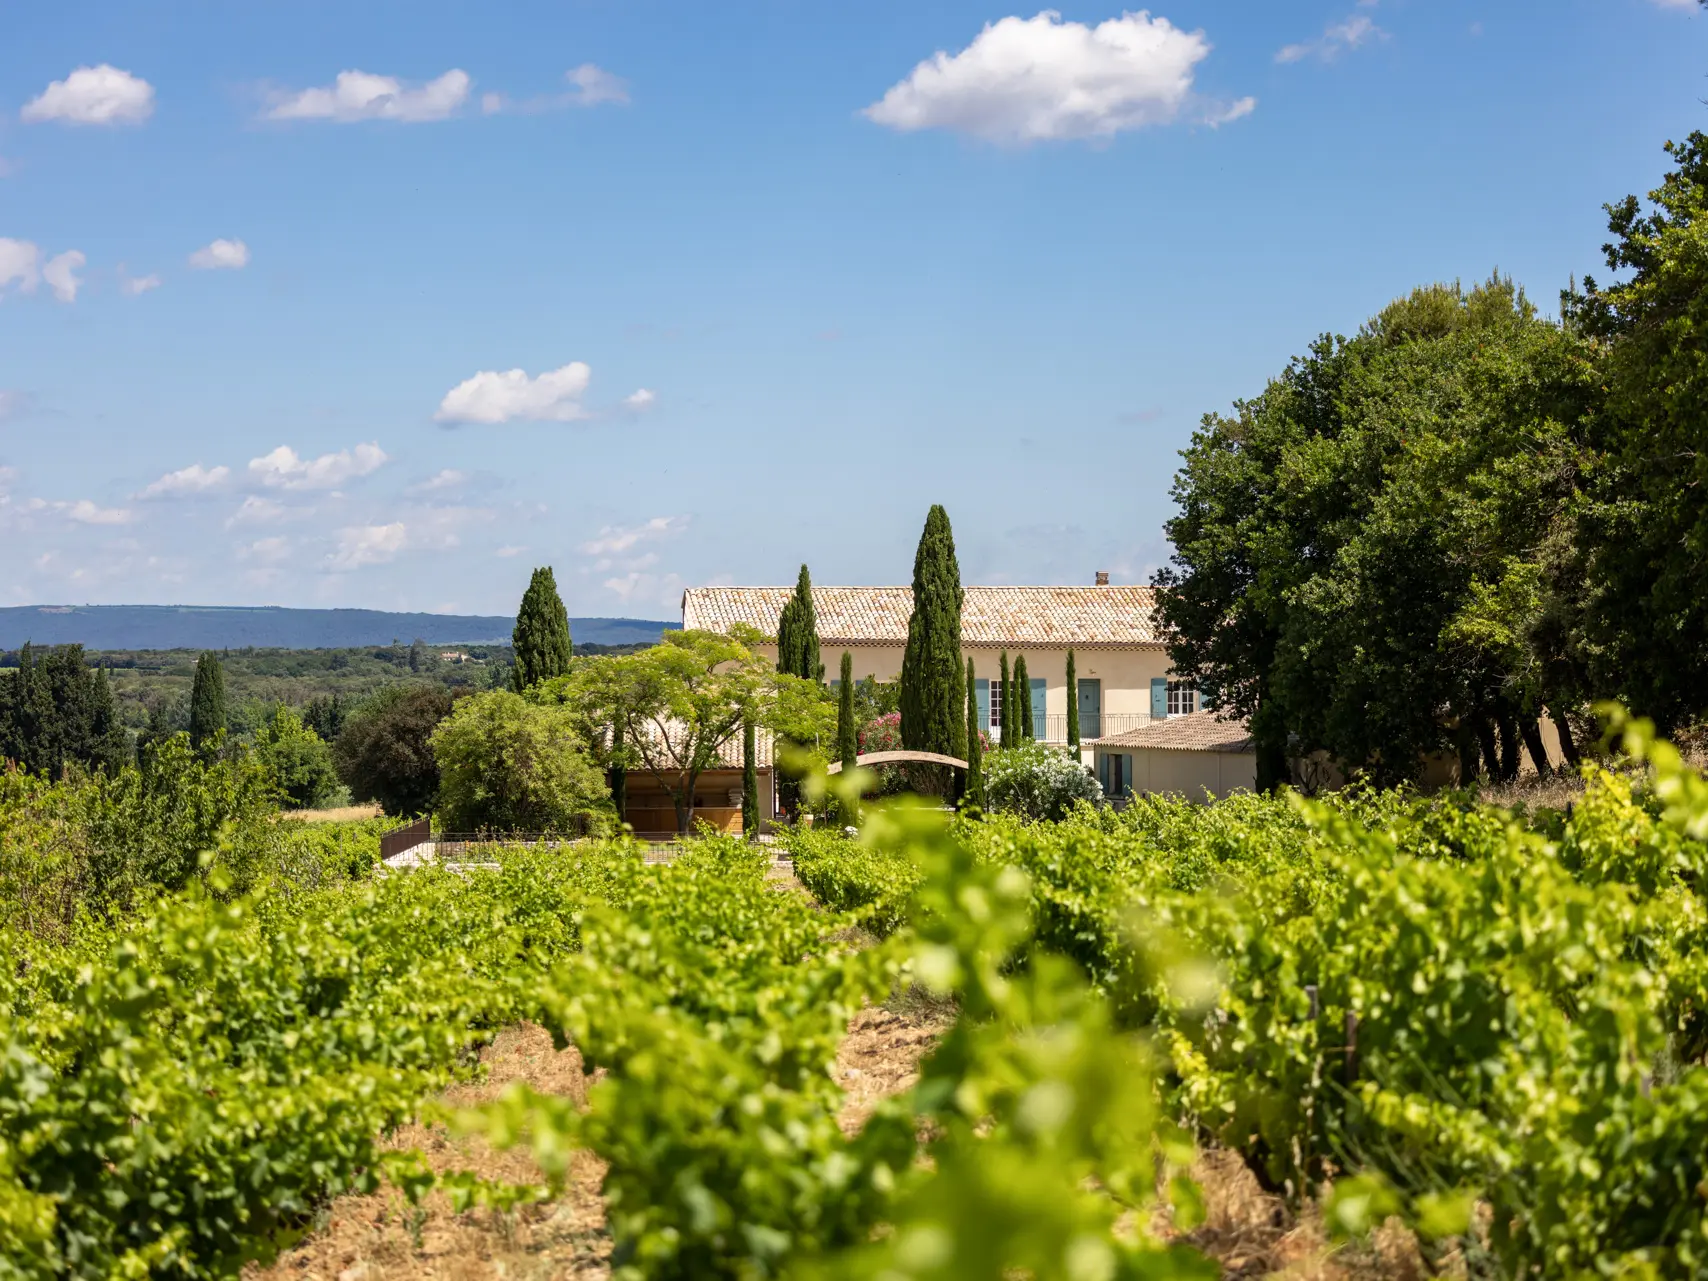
x=1073, y=704
x=974, y=793
x=797, y=633
x=749, y=781
x=541, y=639
x=207, y=701
x=1006, y=707
x=1024, y=729
x=931, y=719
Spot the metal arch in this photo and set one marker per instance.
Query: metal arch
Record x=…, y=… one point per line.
x=901, y=758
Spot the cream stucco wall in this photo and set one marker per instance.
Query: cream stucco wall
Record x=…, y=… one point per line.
x=1194, y=775
x=1125, y=675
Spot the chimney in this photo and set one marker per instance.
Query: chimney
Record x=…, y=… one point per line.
x=1102, y=578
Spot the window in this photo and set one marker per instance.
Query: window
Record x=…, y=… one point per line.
x=1182, y=698
x=996, y=704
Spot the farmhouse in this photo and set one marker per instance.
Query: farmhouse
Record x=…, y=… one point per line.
x=1118, y=653
x=1193, y=754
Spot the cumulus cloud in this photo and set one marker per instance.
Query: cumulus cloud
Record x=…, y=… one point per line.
x=616, y=539
x=591, y=85
x=85, y=512
x=513, y=549
x=1337, y=38
x=101, y=95
x=360, y=545
x=360, y=95
x=283, y=469
x=255, y=510
x=221, y=255
x=60, y=272
x=131, y=286
x=267, y=551
x=439, y=482
x=20, y=265
x=639, y=399
x=493, y=397
x=1038, y=79
x=194, y=479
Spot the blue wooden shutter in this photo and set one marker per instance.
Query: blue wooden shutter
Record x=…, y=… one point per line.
x=1159, y=697
x=982, y=688
x=1038, y=729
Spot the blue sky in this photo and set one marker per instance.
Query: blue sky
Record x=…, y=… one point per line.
x=775, y=276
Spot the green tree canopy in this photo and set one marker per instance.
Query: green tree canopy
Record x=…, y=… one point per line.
x=298, y=760
x=510, y=764
x=1373, y=556
x=541, y=638
x=932, y=717
x=385, y=752
x=207, y=701
x=681, y=702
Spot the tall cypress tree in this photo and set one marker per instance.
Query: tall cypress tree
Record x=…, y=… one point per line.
x=1073, y=704
x=931, y=719
x=847, y=733
x=109, y=749
x=749, y=781
x=1023, y=727
x=207, y=700
x=797, y=633
x=974, y=794
x=541, y=639
x=1005, y=709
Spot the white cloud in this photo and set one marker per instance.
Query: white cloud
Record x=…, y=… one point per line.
x=221, y=255
x=134, y=285
x=639, y=399
x=360, y=545
x=1034, y=79
x=513, y=550
x=20, y=264
x=647, y=589
x=449, y=478
x=1336, y=39
x=87, y=513
x=592, y=85
x=101, y=95
x=269, y=551
x=492, y=397
x=1683, y=6
x=615, y=539
x=194, y=479
x=60, y=274
x=284, y=470
x=256, y=510
x=360, y=95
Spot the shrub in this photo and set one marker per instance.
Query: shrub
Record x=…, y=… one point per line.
x=1037, y=782
x=509, y=765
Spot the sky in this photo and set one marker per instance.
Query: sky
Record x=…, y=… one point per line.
x=312, y=303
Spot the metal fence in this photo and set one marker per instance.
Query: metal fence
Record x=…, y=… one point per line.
x=399, y=839
x=1092, y=728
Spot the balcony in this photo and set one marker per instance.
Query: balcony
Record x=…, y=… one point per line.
x=1055, y=726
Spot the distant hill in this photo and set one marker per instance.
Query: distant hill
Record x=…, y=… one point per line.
x=272, y=627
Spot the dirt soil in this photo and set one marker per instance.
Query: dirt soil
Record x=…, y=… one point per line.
x=381, y=1237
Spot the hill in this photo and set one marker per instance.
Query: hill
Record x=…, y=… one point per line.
x=109, y=627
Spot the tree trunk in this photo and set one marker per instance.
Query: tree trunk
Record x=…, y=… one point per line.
x=1568, y=744
x=1486, y=740
x=1509, y=746
x=1531, y=728
x=1466, y=740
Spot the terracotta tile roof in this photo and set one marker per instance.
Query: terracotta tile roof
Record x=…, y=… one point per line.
x=1198, y=732
x=728, y=755
x=990, y=616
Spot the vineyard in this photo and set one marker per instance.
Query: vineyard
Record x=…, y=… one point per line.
x=1487, y=1026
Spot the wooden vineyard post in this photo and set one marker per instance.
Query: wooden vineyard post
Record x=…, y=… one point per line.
x=1351, y=1047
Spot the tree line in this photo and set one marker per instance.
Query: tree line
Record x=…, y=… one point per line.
x=1422, y=538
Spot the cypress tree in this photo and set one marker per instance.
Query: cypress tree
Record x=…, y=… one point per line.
x=1003, y=737
x=1073, y=704
x=847, y=733
x=109, y=749
x=207, y=700
x=1024, y=729
x=797, y=633
x=974, y=794
x=749, y=781
x=541, y=639
x=931, y=719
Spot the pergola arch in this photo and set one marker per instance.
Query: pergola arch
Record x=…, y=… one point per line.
x=901, y=758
